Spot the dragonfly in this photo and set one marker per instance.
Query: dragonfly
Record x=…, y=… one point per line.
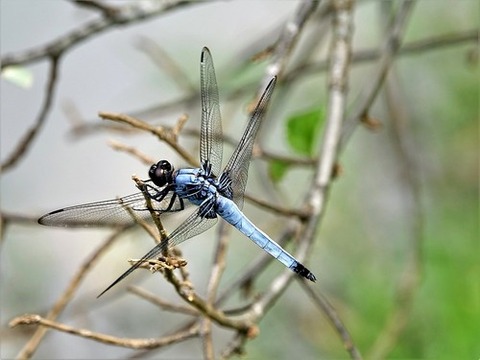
x=215, y=193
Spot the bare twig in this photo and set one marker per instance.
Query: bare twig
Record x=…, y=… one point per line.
x=164, y=305
x=390, y=49
x=55, y=49
x=31, y=346
x=208, y=309
x=218, y=268
x=288, y=38
x=329, y=151
x=163, y=134
x=406, y=148
x=414, y=47
x=257, y=266
x=125, y=15
x=106, y=10
x=147, y=343
x=358, y=57
x=335, y=320
x=316, y=198
x=117, y=145
x=24, y=144
x=165, y=63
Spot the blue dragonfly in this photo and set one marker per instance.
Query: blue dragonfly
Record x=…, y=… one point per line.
x=214, y=192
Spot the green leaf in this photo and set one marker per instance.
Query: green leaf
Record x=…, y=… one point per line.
x=277, y=170
x=18, y=75
x=302, y=130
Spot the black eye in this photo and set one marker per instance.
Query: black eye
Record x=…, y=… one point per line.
x=161, y=173
x=165, y=165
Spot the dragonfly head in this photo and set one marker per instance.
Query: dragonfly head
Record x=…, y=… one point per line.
x=161, y=173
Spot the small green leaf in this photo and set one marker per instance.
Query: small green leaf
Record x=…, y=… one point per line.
x=277, y=170
x=302, y=130
x=19, y=76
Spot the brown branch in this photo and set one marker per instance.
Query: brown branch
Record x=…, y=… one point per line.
x=164, y=305
x=106, y=10
x=317, y=196
x=163, y=134
x=67, y=295
x=257, y=266
x=218, y=267
x=125, y=15
x=293, y=76
x=325, y=306
x=390, y=50
x=409, y=282
x=368, y=55
x=24, y=143
x=118, y=146
x=287, y=40
x=277, y=209
x=165, y=63
x=208, y=309
x=148, y=343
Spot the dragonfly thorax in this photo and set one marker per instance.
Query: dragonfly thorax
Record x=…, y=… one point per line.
x=161, y=173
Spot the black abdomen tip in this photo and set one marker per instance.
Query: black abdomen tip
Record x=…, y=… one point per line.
x=304, y=272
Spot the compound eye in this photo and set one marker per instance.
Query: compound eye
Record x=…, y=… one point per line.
x=161, y=173
x=165, y=165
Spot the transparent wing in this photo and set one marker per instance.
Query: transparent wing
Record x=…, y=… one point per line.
x=237, y=167
x=111, y=212
x=211, y=144
x=195, y=224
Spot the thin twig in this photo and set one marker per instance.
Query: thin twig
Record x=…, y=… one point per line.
x=287, y=40
x=165, y=62
x=125, y=15
x=289, y=78
x=337, y=100
x=367, y=55
x=117, y=145
x=164, y=305
x=163, y=134
x=390, y=49
x=106, y=10
x=335, y=320
x=31, y=346
x=208, y=309
x=407, y=150
x=24, y=143
x=256, y=266
x=317, y=196
x=218, y=267
x=147, y=343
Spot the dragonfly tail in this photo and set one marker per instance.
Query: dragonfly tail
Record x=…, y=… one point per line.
x=303, y=271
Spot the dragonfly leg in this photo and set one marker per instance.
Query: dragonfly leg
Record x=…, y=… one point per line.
x=172, y=202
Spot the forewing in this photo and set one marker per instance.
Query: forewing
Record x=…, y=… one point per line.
x=211, y=144
x=237, y=167
x=110, y=212
x=195, y=224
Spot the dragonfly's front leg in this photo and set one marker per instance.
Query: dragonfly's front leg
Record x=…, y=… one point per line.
x=158, y=196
